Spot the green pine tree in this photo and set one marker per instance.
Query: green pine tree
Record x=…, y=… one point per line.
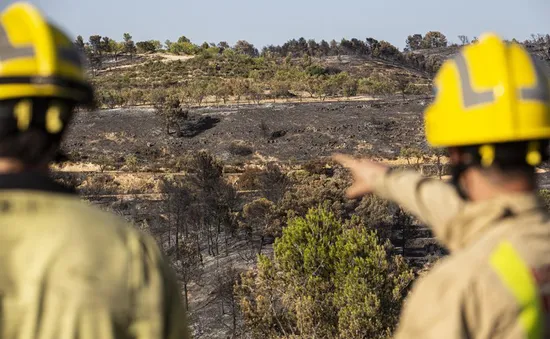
x=328, y=279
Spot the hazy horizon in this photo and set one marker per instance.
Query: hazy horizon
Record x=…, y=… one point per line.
x=275, y=23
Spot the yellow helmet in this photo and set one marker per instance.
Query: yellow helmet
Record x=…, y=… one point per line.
x=492, y=92
x=37, y=59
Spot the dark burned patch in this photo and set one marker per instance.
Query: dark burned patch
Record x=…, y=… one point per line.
x=196, y=126
x=240, y=149
x=288, y=132
x=277, y=134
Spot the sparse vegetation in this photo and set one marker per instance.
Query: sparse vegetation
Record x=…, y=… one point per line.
x=218, y=221
x=131, y=162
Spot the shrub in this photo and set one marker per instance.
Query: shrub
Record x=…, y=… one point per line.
x=376, y=85
x=319, y=167
x=250, y=179
x=264, y=129
x=104, y=162
x=169, y=107
x=131, y=162
x=409, y=153
x=416, y=89
x=316, y=70
x=280, y=89
x=110, y=99
x=350, y=88
x=328, y=279
x=136, y=97
x=99, y=184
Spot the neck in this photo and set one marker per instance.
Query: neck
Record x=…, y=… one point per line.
x=486, y=190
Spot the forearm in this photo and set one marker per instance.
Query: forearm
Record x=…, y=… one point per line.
x=432, y=201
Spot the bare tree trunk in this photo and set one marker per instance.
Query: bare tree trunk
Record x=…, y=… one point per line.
x=199, y=249
x=261, y=244
x=178, y=239
x=169, y=236
x=403, y=236
x=217, y=243
x=208, y=241
x=439, y=167
x=234, y=311
x=186, y=230
x=186, y=292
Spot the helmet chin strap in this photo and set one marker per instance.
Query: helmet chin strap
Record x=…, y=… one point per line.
x=456, y=172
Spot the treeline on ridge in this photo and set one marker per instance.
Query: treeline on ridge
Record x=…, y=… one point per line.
x=298, y=69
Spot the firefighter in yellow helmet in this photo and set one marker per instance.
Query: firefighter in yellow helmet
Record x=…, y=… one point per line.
x=492, y=112
x=67, y=270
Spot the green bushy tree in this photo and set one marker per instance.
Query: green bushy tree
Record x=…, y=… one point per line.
x=169, y=107
x=150, y=46
x=328, y=279
x=434, y=39
x=414, y=42
x=129, y=44
x=186, y=48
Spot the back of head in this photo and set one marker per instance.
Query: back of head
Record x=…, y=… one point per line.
x=492, y=108
x=42, y=80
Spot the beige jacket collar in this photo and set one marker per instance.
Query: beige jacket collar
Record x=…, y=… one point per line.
x=477, y=217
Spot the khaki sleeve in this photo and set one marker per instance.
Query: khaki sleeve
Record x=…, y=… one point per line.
x=159, y=311
x=434, y=202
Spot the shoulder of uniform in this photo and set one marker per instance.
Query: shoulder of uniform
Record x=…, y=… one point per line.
x=456, y=277
x=123, y=227
x=470, y=276
x=87, y=212
x=80, y=216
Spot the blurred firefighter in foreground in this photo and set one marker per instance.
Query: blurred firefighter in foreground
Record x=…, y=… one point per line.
x=492, y=113
x=67, y=270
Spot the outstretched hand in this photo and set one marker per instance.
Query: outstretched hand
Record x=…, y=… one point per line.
x=365, y=173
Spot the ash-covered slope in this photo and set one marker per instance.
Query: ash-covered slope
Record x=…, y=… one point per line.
x=281, y=132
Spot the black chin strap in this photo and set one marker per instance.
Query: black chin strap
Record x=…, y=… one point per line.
x=456, y=173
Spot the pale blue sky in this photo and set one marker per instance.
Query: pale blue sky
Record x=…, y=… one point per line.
x=263, y=22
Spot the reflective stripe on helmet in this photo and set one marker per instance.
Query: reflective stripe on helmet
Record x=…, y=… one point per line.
x=470, y=96
x=517, y=277
x=541, y=90
x=8, y=51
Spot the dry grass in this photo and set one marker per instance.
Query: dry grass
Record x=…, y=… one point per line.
x=400, y=161
x=265, y=159
x=76, y=167
x=138, y=183
x=364, y=146
x=117, y=137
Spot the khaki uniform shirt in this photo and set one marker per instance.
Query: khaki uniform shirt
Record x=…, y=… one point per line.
x=68, y=270
x=496, y=282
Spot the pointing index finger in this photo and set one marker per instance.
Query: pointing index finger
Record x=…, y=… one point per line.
x=343, y=159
